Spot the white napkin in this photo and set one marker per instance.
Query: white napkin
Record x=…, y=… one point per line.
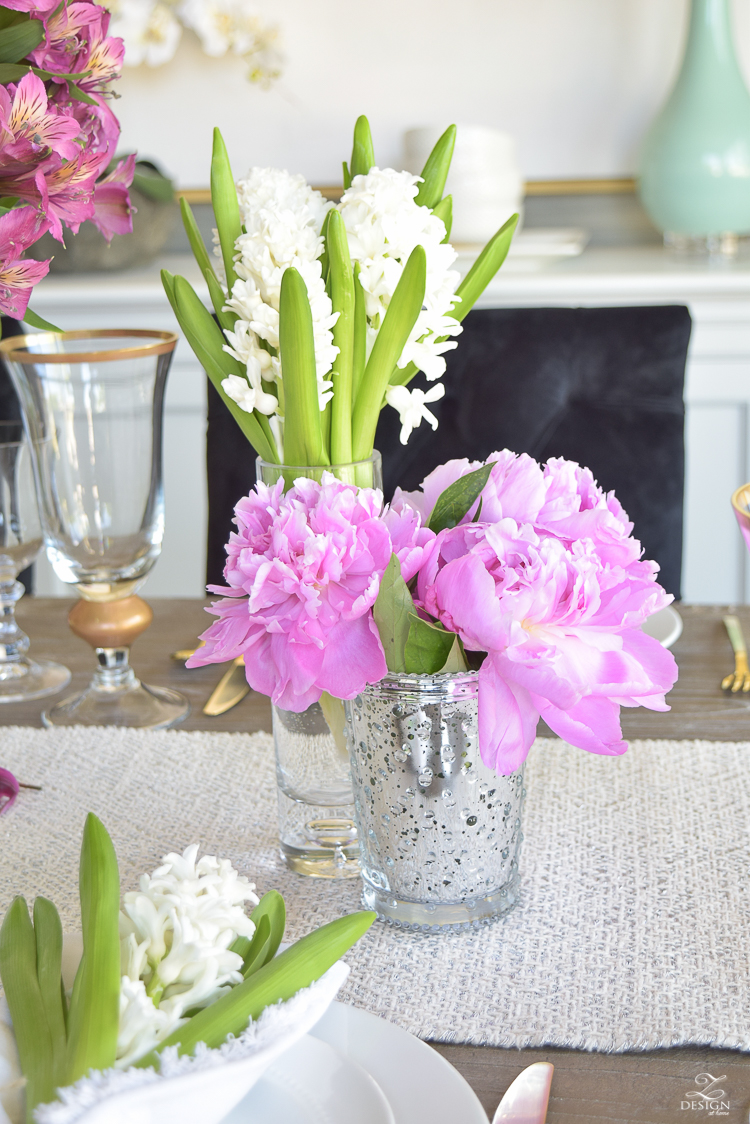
x=194, y=1090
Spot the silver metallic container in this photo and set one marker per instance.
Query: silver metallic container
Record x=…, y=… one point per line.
x=439, y=832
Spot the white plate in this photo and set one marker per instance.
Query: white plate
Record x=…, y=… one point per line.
x=355, y=1068
x=665, y=626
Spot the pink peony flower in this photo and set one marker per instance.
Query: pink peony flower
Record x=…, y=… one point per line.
x=551, y=585
x=303, y=572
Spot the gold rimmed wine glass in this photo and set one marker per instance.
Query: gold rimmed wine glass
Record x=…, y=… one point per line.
x=92, y=404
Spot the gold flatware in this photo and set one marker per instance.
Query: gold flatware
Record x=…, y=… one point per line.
x=231, y=689
x=739, y=679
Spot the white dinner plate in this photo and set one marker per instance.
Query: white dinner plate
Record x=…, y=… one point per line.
x=665, y=626
x=355, y=1068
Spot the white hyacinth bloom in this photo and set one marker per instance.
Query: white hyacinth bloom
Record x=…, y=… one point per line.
x=149, y=30
x=412, y=406
x=282, y=216
x=176, y=932
x=384, y=224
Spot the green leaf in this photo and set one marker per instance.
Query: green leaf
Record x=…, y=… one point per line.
x=18, y=40
x=427, y=647
x=37, y=321
x=347, y=175
x=78, y=95
x=297, y=967
x=435, y=171
x=484, y=268
x=95, y=1007
x=197, y=245
x=392, y=611
x=324, y=256
x=49, y=940
x=342, y=301
x=8, y=17
x=256, y=955
x=405, y=306
x=444, y=211
x=226, y=206
x=154, y=186
x=271, y=908
x=359, y=342
x=303, y=436
x=24, y=998
x=12, y=72
x=456, y=658
x=227, y=319
x=454, y=503
x=363, y=154
x=207, y=341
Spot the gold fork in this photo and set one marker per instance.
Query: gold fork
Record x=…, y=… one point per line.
x=739, y=679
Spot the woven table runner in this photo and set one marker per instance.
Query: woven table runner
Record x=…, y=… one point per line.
x=633, y=926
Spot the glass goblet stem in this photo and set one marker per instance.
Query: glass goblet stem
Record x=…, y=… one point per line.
x=113, y=670
x=14, y=642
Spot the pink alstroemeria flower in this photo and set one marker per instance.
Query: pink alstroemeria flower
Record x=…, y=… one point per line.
x=29, y=126
x=560, y=627
x=9, y=789
x=303, y=572
x=112, y=211
x=18, y=229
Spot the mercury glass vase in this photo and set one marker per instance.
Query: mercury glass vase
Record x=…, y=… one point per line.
x=317, y=832
x=439, y=831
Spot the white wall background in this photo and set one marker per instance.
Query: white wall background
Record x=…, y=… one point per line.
x=576, y=81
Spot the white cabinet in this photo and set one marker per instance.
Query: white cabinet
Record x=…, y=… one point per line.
x=717, y=393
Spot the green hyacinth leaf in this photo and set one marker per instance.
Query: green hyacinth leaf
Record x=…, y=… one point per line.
x=303, y=435
x=444, y=211
x=226, y=206
x=342, y=300
x=18, y=973
x=93, y=1019
x=405, y=306
x=484, y=268
x=435, y=171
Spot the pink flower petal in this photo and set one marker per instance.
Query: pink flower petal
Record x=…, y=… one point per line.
x=8, y=790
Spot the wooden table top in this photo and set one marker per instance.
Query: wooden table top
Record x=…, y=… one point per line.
x=648, y=1087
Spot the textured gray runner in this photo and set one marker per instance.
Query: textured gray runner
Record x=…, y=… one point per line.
x=635, y=915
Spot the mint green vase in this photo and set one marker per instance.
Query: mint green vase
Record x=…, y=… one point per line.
x=695, y=164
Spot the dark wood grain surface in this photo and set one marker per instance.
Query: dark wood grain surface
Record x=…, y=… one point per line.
x=649, y=1087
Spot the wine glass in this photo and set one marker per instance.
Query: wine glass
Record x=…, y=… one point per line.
x=92, y=403
x=21, y=678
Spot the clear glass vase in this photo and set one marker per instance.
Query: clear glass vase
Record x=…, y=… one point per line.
x=439, y=831
x=317, y=832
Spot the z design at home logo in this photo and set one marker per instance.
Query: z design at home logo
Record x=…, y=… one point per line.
x=707, y=1096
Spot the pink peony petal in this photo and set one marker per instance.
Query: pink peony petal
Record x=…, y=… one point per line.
x=507, y=720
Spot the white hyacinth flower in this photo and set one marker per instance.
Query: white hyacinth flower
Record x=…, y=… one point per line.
x=176, y=932
x=412, y=406
x=384, y=224
x=282, y=216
